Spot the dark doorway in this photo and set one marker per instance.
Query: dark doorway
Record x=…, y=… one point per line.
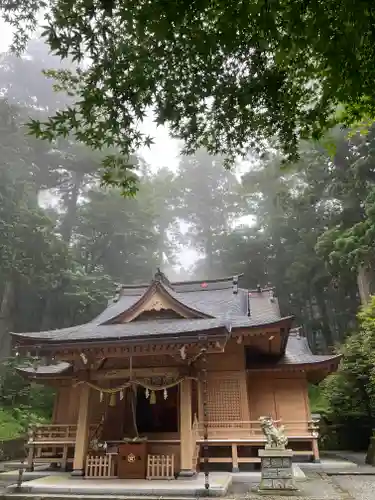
x=159, y=417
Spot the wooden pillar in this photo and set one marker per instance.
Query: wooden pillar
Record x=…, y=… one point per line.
x=82, y=437
x=186, y=436
x=315, y=450
x=235, y=467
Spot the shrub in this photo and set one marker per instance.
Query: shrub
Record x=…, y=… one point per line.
x=349, y=395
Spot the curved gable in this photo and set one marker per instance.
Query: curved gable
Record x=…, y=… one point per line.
x=160, y=299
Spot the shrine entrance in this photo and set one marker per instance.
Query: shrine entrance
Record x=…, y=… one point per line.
x=157, y=412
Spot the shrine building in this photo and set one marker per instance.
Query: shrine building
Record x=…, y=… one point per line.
x=170, y=376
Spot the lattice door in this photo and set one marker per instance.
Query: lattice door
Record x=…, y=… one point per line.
x=224, y=399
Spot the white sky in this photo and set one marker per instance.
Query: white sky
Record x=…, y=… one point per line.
x=163, y=153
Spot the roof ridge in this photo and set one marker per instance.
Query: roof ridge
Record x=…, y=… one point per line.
x=186, y=282
x=260, y=290
x=211, y=280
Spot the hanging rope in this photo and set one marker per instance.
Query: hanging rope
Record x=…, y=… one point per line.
x=205, y=425
x=146, y=386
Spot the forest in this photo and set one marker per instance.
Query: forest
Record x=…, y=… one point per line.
x=68, y=241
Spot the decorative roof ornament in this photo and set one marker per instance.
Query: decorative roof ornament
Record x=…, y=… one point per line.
x=84, y=358
x=117, y=295
x=228, y=324
x=161, y=277
x=183, y=352
x=158, y=276
x=235, y=285
x=272, y=296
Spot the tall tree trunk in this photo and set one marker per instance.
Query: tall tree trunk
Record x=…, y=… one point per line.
x=72, y=204
x=327, y=332
x=209, y=254
x=6, y=307
x=364, y=284
x=310, y=333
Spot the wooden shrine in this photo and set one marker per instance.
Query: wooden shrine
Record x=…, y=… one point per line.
x=167, y=370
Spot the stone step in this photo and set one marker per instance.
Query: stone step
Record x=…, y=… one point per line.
x=361, y=471
x=30, y=496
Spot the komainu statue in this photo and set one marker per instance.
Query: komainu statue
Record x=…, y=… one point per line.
x=275, y=436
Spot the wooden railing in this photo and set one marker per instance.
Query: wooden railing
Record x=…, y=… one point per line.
x=251, y=429
x=52, y=443
x=54, y=433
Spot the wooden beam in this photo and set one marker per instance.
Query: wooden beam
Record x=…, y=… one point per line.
x=137, y=372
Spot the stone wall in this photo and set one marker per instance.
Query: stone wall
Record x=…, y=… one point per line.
x=12, y=449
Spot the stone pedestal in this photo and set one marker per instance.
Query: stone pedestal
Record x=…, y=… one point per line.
x=276, y=471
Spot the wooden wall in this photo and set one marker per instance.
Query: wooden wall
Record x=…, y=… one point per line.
x=281, y=395
x=237, y=394
x=66, y=405
x=233, y=359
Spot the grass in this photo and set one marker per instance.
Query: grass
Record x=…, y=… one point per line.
x=10, y=426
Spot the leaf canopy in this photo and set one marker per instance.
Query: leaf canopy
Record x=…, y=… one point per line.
x=223, y=75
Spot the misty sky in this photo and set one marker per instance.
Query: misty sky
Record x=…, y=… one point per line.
x=163, y=153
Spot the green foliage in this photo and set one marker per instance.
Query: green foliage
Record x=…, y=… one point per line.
x=59, y=265
x=349, y=395
x=291, y=210
x=22, y=403
x=223, y=76
x=10, y=426
x=318, y=403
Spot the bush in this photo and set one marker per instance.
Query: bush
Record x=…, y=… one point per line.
x=21, y=403
x=10, y=427
x=349, y=395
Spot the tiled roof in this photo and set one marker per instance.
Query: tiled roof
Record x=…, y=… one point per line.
x=137, y=329
x=298, y=352
x=217, y=303
x=215, y=299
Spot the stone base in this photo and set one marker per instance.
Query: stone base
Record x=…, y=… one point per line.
x=370, y=455
x=276, y=471
x=186, y=474
x=278, y=493
x=77, y=473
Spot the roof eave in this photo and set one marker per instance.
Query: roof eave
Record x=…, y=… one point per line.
x=212, y=334
x=288, y=320
x=35, y=375
x=311, y=366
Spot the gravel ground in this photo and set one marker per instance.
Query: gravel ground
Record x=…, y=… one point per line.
x=358, y=487
x=316, y=487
